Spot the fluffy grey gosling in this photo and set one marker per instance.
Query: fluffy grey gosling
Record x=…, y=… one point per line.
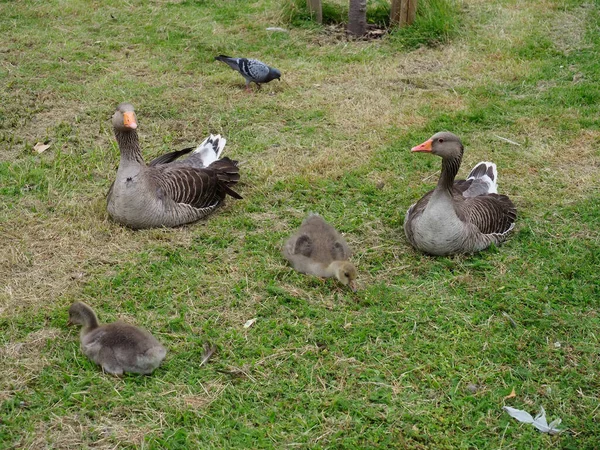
x=318, y=249
x=117, y=347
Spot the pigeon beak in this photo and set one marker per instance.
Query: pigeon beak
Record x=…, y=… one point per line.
x=424, y=147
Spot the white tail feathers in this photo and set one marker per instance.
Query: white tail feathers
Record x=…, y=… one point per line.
x=486, y=173
x=210, y=150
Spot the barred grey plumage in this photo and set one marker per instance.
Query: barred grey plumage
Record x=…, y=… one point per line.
x=462, y=216
x=167, y=192
x=252, y=70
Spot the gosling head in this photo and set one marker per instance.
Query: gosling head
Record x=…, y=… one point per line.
x=444, y=144
x=82, y=314
x=124, y=118
x=346, y=273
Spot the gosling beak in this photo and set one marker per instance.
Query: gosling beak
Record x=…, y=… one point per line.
x=69, y=323
x=352, y=285
x=129, y=120
x=424, y=147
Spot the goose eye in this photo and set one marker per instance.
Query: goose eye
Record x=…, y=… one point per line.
x=347, y=275
x=440, y=140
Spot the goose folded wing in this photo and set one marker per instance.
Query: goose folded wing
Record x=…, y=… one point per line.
x=169, y=157
x=492, y=213
x=199, y=188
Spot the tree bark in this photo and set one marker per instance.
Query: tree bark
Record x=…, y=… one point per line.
x=357, y=17
x=403, y=12
x=316, y=10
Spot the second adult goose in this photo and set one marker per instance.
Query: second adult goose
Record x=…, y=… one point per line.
x=461, y=216
x=167, y=192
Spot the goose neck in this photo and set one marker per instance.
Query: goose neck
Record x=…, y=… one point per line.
x=450, y=166
x=129, y=145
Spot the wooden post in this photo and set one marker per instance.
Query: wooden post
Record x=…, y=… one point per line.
x=403, y=12
x=316, y=10
x=357, y=17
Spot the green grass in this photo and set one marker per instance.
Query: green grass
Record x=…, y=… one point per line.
x=424, y=354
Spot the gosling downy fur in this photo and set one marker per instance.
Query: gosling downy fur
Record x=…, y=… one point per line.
x=117, y=347
x=462, y=216
x=167, y=192
x=318, y=249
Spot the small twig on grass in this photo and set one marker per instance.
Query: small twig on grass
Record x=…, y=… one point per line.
x=506, y=140
x=209, y=350
x=510, y=319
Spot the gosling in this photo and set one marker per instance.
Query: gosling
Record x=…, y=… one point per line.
x=117, y=347
x=318, y=249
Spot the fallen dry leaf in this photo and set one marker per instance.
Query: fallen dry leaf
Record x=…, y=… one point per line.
x=249, y=323
x=41, y=147
x=511, y=395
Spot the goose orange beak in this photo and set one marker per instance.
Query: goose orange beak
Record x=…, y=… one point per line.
x=424, y=147
x=129, y=120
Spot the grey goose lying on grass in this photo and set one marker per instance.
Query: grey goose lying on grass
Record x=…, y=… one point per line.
x=461, y=216
x=118, y=347
x=167, y=192
x=252, y=70
x=318, y=249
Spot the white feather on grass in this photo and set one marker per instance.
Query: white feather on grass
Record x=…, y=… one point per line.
x=538, y=421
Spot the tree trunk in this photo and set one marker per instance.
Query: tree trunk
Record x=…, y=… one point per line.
x=316, y=10
x=403, y=12
x=357, y=17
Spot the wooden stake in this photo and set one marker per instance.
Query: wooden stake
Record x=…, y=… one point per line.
x=316, y=10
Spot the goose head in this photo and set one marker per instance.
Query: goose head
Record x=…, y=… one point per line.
x=82, y=314
x=124, y=118
x=444, y=144
x=346, y=273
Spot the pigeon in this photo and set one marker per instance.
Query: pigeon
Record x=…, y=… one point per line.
x=252, y=70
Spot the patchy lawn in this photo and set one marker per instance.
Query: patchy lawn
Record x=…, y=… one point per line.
x=425, y=353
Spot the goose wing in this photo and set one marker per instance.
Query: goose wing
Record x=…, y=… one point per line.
x=491, y=213
x=340, y=250
x=169, y=157
x=199, y=188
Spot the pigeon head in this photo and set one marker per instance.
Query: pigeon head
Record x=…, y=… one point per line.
x=274, y=74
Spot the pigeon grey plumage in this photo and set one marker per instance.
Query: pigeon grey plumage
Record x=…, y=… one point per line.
x=252, y=70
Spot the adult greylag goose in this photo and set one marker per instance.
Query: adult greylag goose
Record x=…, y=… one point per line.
x=318, y=249
x=118, y=347
x=167, y=192
x=463, y=216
